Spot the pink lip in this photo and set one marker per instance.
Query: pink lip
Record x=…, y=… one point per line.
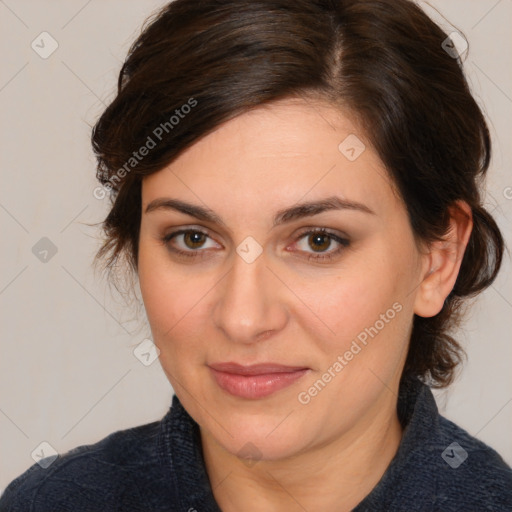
x=255, y=381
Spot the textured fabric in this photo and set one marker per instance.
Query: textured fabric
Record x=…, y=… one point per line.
x=159, y=467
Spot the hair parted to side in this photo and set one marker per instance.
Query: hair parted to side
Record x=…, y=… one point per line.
x=198, y=64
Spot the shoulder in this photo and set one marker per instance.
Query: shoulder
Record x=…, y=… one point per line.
x=123, y=468
x=439, y=466
x=469, y=474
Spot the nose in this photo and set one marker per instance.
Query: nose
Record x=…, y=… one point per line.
x=251, y=302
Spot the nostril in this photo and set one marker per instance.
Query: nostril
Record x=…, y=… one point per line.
x=265, y=335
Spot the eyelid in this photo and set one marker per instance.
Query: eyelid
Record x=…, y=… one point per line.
x=323, y=230
x=187, y=229
x=339, y=238
x=326, y=257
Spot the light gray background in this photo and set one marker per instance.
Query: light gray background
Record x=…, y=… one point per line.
x=68, y=375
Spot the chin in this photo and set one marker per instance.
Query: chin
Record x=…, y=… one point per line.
x=259, y=436
x=259, y=446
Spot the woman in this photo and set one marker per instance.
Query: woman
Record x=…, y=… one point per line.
x=295, y=185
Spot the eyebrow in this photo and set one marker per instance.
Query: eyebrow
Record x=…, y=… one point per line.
x=296, y=212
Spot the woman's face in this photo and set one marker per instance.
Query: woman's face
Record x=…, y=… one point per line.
x=242, y=276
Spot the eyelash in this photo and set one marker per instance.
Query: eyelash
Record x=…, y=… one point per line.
x=319, y=257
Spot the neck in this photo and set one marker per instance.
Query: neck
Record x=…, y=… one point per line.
x=333, y=476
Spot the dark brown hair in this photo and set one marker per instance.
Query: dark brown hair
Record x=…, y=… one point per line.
x=383, y=61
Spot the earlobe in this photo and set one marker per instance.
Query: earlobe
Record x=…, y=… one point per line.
x=441, y=263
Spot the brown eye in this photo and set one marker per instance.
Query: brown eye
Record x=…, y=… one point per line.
x=187, y=242
x=319, y=241
x=194, y=239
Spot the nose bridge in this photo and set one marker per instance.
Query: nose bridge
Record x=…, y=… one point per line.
x=248, y=305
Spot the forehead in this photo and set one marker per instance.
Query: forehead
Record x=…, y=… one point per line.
x=276, y=155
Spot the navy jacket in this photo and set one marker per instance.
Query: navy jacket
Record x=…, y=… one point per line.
x=159, y=467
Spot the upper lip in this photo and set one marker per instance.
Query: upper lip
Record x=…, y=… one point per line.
x=255, y=369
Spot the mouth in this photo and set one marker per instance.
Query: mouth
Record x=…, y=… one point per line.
x=255, y=381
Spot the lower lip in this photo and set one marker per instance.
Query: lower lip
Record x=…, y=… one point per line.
x=255, y=386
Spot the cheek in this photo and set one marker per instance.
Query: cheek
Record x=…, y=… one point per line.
x=176, y=304
x=365, y=311
x=349, y=302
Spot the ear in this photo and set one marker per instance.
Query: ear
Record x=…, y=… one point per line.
x=441, y=263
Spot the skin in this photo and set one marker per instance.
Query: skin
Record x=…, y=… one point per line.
x=327, y=454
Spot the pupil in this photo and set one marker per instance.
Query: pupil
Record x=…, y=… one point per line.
x=195, y=237
x=319, y=238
